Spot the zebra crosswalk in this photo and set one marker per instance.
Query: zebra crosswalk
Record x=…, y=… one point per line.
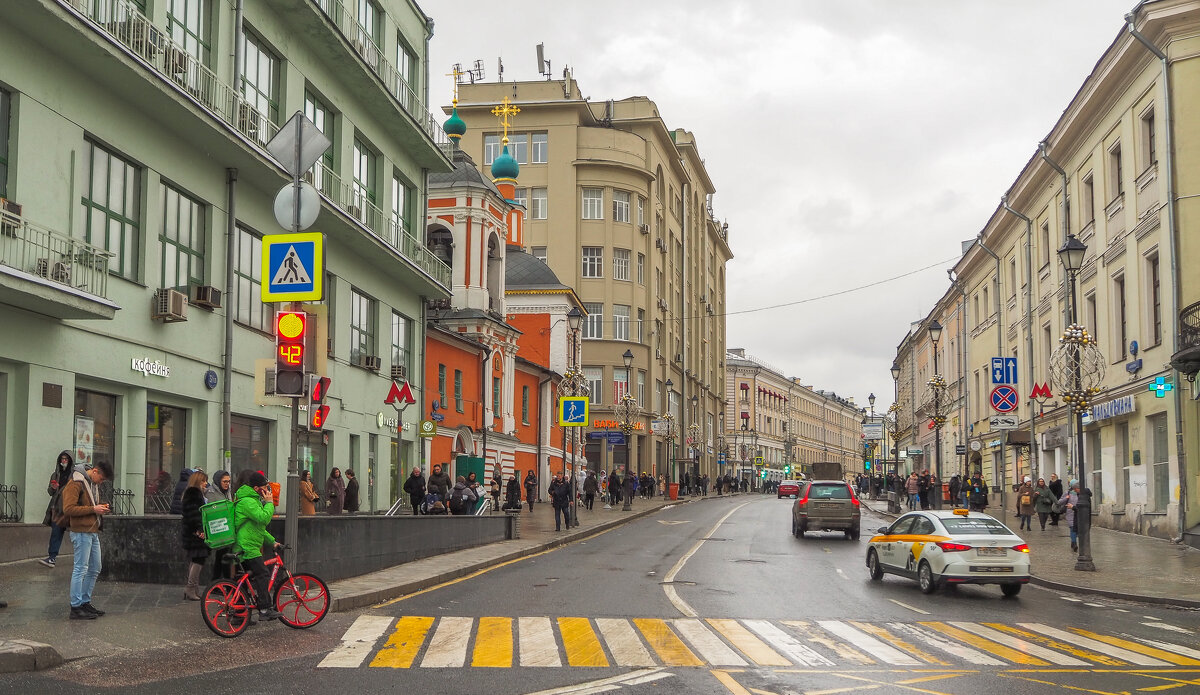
x=549, y=642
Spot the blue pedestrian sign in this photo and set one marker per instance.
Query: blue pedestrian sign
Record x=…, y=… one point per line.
x=293, y=267
x=1004, y=370
x=573, y=411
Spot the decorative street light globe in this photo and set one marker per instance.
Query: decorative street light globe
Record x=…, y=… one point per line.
x=627, y=412
x=1077, y=368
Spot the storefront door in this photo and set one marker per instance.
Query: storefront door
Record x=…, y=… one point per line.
x=166, y=454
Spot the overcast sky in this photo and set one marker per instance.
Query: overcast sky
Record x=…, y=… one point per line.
x=849, y=140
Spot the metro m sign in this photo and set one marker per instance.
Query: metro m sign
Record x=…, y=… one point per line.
x=400, y=396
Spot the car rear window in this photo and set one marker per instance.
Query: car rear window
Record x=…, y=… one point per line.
x=830, y=492
x=966, y=526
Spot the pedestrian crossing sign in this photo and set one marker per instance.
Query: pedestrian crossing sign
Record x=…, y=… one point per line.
x=573, y=411
x=293, y=267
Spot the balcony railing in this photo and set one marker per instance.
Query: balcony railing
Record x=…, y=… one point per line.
x=123, y=21
x=53, y=256
x=1189, y=327
x=396, y=83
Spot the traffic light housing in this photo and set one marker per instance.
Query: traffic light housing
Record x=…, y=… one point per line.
x=318, y=412
x=291, y=328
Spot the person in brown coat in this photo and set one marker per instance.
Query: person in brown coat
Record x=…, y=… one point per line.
x=81, y=505
x=1026, y=498
x=308, y=496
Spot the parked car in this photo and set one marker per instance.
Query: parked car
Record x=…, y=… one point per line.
x=826, y=505
x=950, y=547
x=790, y=488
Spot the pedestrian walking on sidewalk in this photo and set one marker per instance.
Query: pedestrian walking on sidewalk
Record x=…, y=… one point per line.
x=219, y=488
x=352, y=502
x=912, y=488
x=590, y=487
x=192, y=533
x=439, y=482
x=82, y=508
x=58, y=480
x=1066, y=506
x=1025, y=503
x=1043, y=502
x=462, y=498
x=631, y=485
x=335, y=492
x=512, y=493
x=252, y=511
x=414, y=487
x=955, y=488
x=530, y=488
x=495, y=489
x=1056, y=489
x=308, y=495
x=560, y=498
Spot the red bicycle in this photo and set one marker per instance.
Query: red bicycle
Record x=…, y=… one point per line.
x=302, y=600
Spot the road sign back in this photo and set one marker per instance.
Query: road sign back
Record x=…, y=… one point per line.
x=1004, y=399
x=293, y=267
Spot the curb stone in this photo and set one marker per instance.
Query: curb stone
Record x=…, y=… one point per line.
x=19, y=655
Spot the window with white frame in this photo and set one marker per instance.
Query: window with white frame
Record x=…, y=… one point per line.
x=593, y=203
x=641, y=388
x=112, y=203
x=518, y=147
x=182, y=239
x=1089, y=200
x=641, y=268
x=593, y=323
x=620, y=383
x=1116, y=183
x=1149, y=155
x=593, y=261
x=641, y=321
x=620, y=321
x=620, y=264
x=539, y=252
x=1155, y=297
x=620, y=206
x=594, y=376
x=540, y=153
x=491, y=148
x=521, y=197
x=641, y=211
x=539, y=207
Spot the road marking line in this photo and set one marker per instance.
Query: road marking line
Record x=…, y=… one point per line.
x=623, y=643
x=1167, y=645
x=890, y=654
x=1095, y=605
x=1151, y=617
x=1094, y=645
x=844, y=651
x=580, y=642
x=787, y=644
x=1047, y=640
x=404, y=643
x=969, y=655
x=358, y=642
x=837, y=691
x=992, y=648
x=493, y=643
x=1020, y=644
x=1168, y=626
x=606, y=684
x=747, y=643
x=536, y=645
x=710, y=646
x=1120, y=610
x=448, y=648
x=1072, y=600
x=665, y=643
x=730, y=684
x=1135, y=647
x=648, y=679
x=926, y=679
x=1060, y=685
x=911, y=608
x=888, y=684
x=669, y=589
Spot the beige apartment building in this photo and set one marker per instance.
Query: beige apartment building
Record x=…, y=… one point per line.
x=620, y=207
x=1124, y=152
x=787, y=424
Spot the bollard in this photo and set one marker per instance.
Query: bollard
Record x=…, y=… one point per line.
x=1083, y=529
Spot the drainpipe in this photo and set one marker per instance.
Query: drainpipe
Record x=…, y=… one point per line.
x=1033, y=456
x=963, y=359
x=999, y=353
x=541, y=416
x=1172, y=244
x=1072, y=421
x=227, y=366
x=483, y=400
x=238, y=55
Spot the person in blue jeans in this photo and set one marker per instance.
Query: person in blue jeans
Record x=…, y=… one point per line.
x=58, y=481
x=82, y=506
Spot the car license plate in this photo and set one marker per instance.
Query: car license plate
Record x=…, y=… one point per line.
x=991, y=552
x=991, y=569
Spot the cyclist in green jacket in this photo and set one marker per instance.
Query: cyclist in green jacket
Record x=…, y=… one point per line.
x=252, y=511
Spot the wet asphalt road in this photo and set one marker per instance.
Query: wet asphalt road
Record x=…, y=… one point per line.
x=750, y=569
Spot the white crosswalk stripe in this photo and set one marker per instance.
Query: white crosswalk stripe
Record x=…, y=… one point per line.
x=448, y=648
x=932, y=639
x=536, y=642
x=623, y=642
x=1020, y=644
x=886, y=652
x=1094, y=645
x=708, y=646
x=786, y=644
x=358, y=642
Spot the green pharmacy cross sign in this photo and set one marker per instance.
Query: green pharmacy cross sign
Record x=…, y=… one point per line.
x=1160, y=386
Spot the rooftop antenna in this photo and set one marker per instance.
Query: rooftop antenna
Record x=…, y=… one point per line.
x=500, y=68
x=543, y=64
x=457, y=73
x=476, y=72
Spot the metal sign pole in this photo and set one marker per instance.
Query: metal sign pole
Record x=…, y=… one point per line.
x=291, y=521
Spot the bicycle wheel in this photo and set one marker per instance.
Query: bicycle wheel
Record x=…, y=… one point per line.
x=303, y=601
x=226, y=610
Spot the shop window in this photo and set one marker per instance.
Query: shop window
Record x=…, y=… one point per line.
x=251, y=443
x=95, y=428
x=166, y=454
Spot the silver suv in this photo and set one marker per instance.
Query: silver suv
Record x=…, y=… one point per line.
x=826, y=505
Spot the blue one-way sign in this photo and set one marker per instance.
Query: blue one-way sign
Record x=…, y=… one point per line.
x=1004, y=370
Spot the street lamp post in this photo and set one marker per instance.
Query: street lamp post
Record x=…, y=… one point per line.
x=670, y=450
x=627, y=411
x=873, y=491
x=573, y=383
x=694, y=433
x=894, y=410
x=938, y=385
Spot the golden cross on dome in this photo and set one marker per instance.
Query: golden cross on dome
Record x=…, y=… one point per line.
x=505, y=110
x=456, y=72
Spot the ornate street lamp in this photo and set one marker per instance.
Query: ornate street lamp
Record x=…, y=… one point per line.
x=670, y=452
x=627, y=412
x=1077, y=369
x=938, y=385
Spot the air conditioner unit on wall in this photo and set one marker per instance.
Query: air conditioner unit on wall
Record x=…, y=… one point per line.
x=169, y=306
x=371, y=362
x=644, y=228
x=206, y=296
x=399, y=371
x=658, y=243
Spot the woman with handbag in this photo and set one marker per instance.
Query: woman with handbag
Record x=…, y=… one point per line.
x=1043, y=502
x=308, y=496
x=335, y=490
x=192, y=533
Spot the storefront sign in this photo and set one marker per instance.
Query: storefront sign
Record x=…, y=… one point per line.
x=391, y=423
x=613, y=424
x=1055, y=437
x=1114, y=408
x=150, y=367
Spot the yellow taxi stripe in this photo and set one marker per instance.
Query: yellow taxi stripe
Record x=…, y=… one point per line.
x=1140, y=648
x=907, y=647
x=493, y=643
x=665, y=643
x=744, y=640
x=404, y=643
x=1055, y=644
x=580, y=642
x=906, y=538
x=986, y=645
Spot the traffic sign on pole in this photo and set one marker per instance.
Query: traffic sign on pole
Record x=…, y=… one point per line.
x=1004, y=370
x=1004, y=399
x=293, y=267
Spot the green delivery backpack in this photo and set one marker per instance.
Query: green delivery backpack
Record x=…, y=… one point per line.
x=216, y=519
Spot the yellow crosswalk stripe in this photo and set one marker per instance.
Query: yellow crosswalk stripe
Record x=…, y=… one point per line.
x=747, y=643
x=986, y=645
x=1169, y=657
x=1060, y=646
x=580, y=642
x=404, y=643
x=665, y=643
x=903, y=645
x=493, y=643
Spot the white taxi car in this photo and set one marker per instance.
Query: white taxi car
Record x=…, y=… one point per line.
x=938, y=547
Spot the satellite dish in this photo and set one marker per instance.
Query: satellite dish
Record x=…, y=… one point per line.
x=309, y=202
